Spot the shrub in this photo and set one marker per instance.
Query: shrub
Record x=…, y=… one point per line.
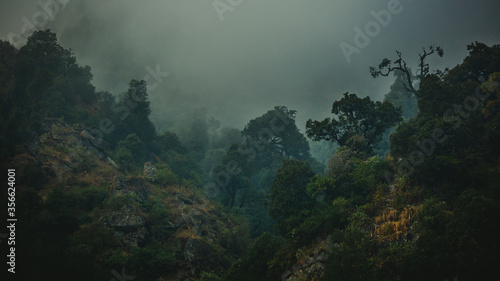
x=90, y=197
x=255, y=265
x=115, y=203
x=165, y=176
x=205, y=276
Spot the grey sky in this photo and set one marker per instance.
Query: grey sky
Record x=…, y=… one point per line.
x=263, y=53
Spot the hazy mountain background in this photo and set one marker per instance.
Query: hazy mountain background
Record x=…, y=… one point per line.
x=262, y=54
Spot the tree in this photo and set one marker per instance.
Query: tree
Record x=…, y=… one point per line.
x=399, y=97
x=481, y=62
x=275, y=135
x=134, y=115
x=255, y=265
x=450, y=144
x=351, y=259
x=289, y=199
x=43, y=51
x=7, y=64
x=130, y=152
x=232, y=176
x=137, y=97
x=356, y=116
x=192, y=127
x=386, y=67
x=41, y=80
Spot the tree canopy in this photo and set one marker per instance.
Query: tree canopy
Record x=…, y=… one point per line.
x=386, y=67
x=356, y=116
x=275, y=134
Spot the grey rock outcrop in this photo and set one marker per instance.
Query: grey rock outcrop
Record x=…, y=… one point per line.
x=128, y=225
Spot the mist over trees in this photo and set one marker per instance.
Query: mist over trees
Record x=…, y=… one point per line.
x=404, y=188
x=356, y=118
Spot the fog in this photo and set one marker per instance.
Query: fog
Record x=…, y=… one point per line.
x=248, y=56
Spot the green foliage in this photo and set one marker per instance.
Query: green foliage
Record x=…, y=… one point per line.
x=34, y=175
x=342, y=163
x=28, y=203
x=359, y=220
x=206, y=276
x=87, y=247
x=256, y=210
x=389, y=259
x=158, y=221
x=165, y=176
x=275, y=135
x=128, y=115
x=355, y=177
x=137, y=96
x=474, y=228
x=59, y=240
x=86, y=163
x=456, y=225
x=235, y=188
x=153, y=260
x=60, y=205
x=169, y=142
x=323, y=220
x=124, y=158
x=356, y=116
x=368, y=175
x=350, y=258
x=43, y=81
x=254, y=266
x=288, y=198
x=116, y=203
x=323, y=187
x=184, y=167
x=237, y=239
x=91, y=197
x=399, y=97
x=130, y=153
x=450, y=131
x=457, y=241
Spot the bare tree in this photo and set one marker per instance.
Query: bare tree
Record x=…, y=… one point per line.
x=387, y=66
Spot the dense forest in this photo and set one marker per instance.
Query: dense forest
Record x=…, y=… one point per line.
x=410, y=189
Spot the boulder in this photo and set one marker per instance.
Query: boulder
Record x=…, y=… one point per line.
x=128, y=225
x=150, y=171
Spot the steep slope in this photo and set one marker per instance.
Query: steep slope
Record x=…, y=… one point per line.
x=117, y=220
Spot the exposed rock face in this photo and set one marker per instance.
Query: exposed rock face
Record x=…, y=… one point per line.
x=63, y=148
x=135, y=186
x=70, y=156
x=193, y=222
x=128, y=225
x=199, y=256
x=150, y=171
x=197, y=227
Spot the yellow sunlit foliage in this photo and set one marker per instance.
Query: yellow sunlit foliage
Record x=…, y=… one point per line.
x=394, y=224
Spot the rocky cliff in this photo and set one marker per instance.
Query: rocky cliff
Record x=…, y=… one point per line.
x=141, y=214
